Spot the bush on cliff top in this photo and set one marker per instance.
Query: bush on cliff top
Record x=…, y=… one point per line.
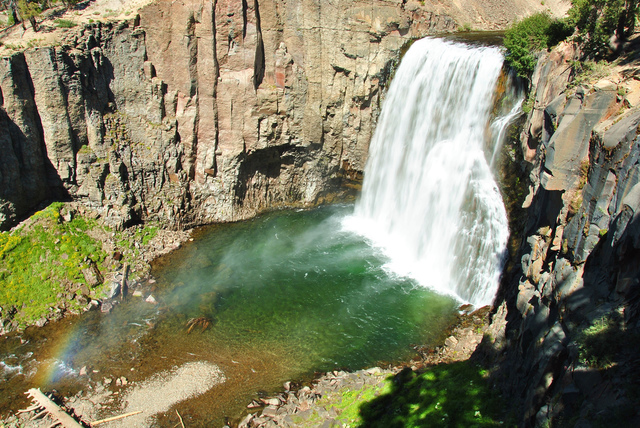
x=533, y=34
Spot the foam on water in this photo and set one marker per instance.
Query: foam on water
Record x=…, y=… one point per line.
x=429, y=197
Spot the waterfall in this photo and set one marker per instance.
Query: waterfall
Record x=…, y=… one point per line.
x=429, y=199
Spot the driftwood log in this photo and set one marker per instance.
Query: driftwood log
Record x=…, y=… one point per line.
x=52, y=409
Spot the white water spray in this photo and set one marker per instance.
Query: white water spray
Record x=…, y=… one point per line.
x=429, y=198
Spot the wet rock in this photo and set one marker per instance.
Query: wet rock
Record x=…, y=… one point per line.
x=270, y=401
x=114, y=290
x=106, y=307
x=466, y=309
x=151, y=299
x=270, y=412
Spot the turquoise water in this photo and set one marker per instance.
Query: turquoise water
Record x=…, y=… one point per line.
x=287, y=295
x=298, y=282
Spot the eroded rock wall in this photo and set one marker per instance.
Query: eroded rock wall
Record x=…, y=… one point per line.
x=87, y=119
x=579, y=258
x=211, y=110
x=200, y=111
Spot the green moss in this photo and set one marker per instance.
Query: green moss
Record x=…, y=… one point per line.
x=38, y=259
x=527, y=106
x=599, y=344
x=451, y=395
x=448, y=395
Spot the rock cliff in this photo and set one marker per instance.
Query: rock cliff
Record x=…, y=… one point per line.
x=570, y=315
x=199, y=111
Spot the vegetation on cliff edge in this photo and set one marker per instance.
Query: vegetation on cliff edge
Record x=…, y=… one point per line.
x=531, y=35
x=42, y=261
x=601, y=26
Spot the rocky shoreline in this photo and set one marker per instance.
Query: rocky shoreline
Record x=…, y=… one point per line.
x=318, y=404
x=308, y=404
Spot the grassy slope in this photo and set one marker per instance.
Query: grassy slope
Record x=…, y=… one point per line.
x=41, y=263
x=446, y=395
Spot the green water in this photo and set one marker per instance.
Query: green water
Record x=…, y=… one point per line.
x=297, y=281
x=287, y=294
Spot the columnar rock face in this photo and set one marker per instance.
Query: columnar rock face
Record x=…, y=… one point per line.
x=84, y=121
x=579, y=257
x=210, y=110
x=202, y=111
x=276, y=101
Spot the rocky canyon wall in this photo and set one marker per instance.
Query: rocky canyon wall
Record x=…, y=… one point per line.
x=580, y=252
x=201, y=111
x=209, y=110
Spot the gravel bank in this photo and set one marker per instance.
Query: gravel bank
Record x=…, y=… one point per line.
x=162, y=391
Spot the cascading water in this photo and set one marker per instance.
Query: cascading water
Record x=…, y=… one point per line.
x=291, y=293
x=429, y=198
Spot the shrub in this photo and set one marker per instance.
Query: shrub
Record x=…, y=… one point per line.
x=64, y=23
x=29, y=11
x=70, y=4
x=533, y=34
x=585, y=71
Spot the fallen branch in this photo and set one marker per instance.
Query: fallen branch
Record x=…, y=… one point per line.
x=114, y=418
x=37, y=415
x=29, y=409
x=180, y=417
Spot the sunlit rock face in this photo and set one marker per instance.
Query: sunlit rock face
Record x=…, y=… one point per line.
x=199, y=111
x=202, y=111
x=580, y=246
x=276, y=101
